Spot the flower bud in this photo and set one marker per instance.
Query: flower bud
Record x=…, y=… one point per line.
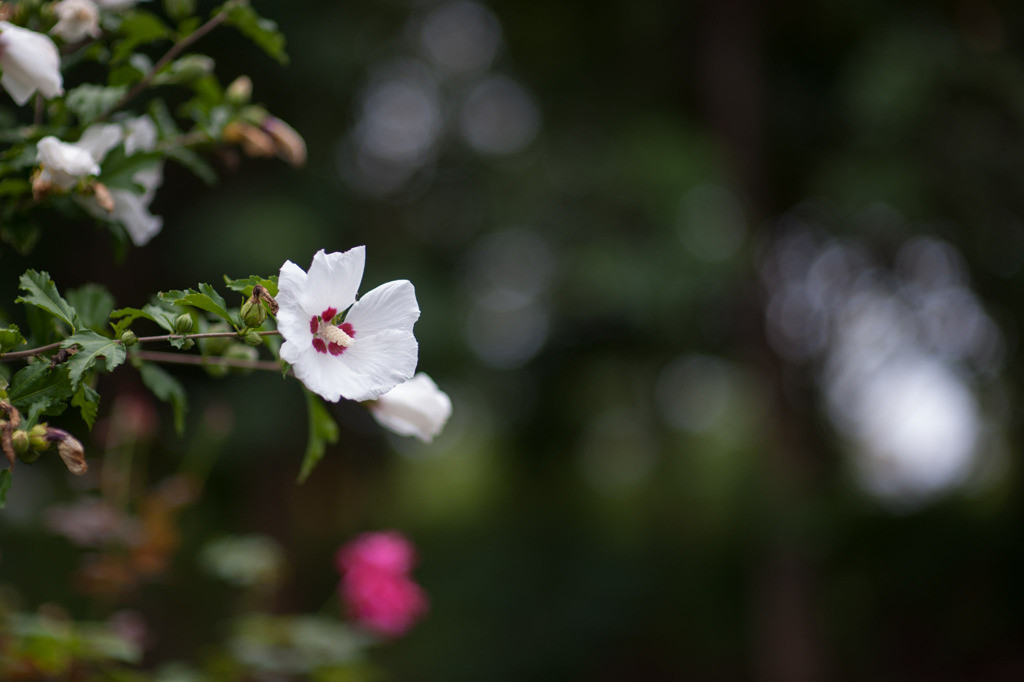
x=19, y=439
x=183, y=324
x=37, y=438
x=239, y=92
x=254, y=141
x=128, y=338
x=253, y=312
x=239, y=351
x=252, y=338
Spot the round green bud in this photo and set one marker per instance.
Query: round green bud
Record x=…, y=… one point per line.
x=128, y=338
x=218, y=344
x=183, y=324
x=252, y=338
x=239, y=351
x=37, y=438
x=19, y=439
x=253, y=313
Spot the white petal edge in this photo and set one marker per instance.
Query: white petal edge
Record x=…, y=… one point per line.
x=333, y=280
x=390, y=306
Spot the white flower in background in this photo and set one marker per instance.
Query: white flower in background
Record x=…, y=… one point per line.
x=29, y=62
x=360, y=356
x=131, y=209
x=77, y=19
x=64, y=163
x=416, y=408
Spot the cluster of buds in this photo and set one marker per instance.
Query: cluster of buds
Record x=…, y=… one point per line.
x=27, y=445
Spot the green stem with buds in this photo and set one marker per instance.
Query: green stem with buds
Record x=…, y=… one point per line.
x=33, y=352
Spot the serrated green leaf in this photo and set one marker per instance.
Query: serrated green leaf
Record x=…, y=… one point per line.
x=206, y=299
x=93, y=303
x=322, y=431
x=42, y=293
x=5, y=486
x=89, y=101
x=88, y=402
x=261, y=31
x=40, y=389
x=92, y=347
x=167, y=389
x=245, y=286
x=10, y=338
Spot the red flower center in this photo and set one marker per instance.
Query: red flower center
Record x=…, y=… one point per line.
x=328, y=337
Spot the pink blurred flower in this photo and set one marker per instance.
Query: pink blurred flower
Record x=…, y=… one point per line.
x=375, y=584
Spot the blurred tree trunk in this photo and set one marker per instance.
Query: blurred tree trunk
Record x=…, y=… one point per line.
x=786, y=644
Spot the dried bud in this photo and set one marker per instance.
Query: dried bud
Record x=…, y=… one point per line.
x=104, y=199
x=70, y=450
x=253, y=338
x=7, y=429
x=288, y=144
x=264, y=295
x=253, y=141
x=253, y=312
x=128, y=338
x=239, y=92
x=41, y=187
x=183, y=324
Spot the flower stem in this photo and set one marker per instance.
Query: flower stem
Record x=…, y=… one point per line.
x=176, y=49
x=32, y=352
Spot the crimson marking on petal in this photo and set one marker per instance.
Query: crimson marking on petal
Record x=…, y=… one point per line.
x=319, y=345
x=328, y=314
x=314, y=325
x=347, y=328
x=335, y=349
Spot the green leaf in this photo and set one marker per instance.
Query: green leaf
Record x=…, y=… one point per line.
x=118, y=171
x=261, y=31
x=42, y=293
x=14, y=187
x=322, y=430
x=92, y=347
x=245, y=286
x=206, y=299
x=139, y=28
x=88, y=101
x=40, y=389
x=93, y=303
x=195, y=163
x=5, y=485
x=9, y=338
x=88, y=402
x=166, y=388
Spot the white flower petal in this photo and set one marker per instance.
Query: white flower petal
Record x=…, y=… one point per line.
x=141, y=135
x=64, y=163
x=30, y=62
x=415, y=408
x=383, y=360
x=292, y=317
x=333, y=280
x=99, y=139
x=390, y=306
x=77, y=19
x=132, y=211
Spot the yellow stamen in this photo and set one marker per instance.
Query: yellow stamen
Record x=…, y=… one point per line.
x=333, y=334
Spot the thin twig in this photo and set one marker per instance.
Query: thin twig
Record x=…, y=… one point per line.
x=185, y=359
x=176, y=49
x=32, y=352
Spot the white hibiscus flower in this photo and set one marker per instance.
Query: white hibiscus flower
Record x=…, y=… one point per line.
x=416, y=408
x=358, y=355
x=64, y=163
x=30, y=62
x=77, y=19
